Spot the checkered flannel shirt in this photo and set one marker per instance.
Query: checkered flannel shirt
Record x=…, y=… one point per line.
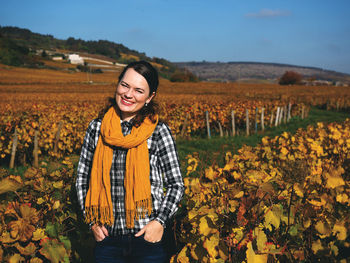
x=164, y=173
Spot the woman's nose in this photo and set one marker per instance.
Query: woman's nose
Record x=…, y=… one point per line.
x=129, y=93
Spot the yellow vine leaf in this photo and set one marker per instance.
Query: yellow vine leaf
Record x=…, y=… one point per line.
x=298, y=190
x=340, y=231
x=323, y=229
x=284, y=151
x=56, y=204
x=10, y=184
x=38, y=234
x=317, y=246
x=58, y=185
x=210, y=244
x=252, y=257
x=35, y=260
x=6, y=238
x=261, y=239
x=239, y=195
x=342, y=198
x=182, y=257
x=197, y=252
x=204, y=228
x=16, y=258
x=40, y=201
x=273, y=216
x=334, y=178
x=210, y=173
x=28, y=250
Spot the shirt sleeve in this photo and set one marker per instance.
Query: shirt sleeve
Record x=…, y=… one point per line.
x=170, y=167
x=85, y=162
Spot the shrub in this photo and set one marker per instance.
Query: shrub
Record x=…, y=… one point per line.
x=290, y=78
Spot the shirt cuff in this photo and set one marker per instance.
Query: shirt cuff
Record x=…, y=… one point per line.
x=160, y=221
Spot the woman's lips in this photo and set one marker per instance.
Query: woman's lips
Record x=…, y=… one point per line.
x=126, y=103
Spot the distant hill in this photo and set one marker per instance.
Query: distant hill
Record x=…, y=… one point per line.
x=232, y=71
x=17, y=43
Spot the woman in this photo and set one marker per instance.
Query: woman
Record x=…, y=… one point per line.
x=128, y=157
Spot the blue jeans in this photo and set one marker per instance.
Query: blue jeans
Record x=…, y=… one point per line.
x=129, y=249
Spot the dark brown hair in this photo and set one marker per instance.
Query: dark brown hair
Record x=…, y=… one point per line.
x=151, y=75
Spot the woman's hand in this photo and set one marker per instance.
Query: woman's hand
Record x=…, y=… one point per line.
x=153, y=232
x=100, y=232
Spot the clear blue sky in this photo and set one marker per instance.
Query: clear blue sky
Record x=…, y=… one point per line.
x=300, y=32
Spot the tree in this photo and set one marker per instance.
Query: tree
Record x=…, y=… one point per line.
x=183, y=76
x=290, y=78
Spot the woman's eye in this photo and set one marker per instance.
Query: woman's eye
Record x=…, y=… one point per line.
x=140, y=91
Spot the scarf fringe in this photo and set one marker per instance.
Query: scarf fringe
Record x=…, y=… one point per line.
x=141, y=208
x=96, y=214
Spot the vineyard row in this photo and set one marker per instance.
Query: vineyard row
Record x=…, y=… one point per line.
x=58, y=129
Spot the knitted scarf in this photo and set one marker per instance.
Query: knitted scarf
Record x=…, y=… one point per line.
x=138, y=200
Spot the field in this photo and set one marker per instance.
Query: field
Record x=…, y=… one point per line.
x=284, y=200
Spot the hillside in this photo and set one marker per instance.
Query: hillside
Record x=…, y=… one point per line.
x=233, y=71
x=18, y=45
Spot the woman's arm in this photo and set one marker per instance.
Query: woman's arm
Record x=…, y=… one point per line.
x=173, y=182
x=85, y=161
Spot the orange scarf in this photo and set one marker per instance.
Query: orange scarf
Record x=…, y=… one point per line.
x=138, y=199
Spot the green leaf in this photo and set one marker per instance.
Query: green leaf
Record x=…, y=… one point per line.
x=293, y=231
x=273, y=216
x=52, y=230
x=66, y=242
x=53, y=251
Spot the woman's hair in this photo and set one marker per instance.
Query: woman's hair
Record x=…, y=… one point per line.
x=151, y=75
x=147, y=71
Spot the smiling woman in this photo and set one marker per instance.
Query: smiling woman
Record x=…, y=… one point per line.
x=128, y=157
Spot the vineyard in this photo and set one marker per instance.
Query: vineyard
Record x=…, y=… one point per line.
x=285, y=200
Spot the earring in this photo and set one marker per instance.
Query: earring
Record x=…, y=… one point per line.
x=146, y=104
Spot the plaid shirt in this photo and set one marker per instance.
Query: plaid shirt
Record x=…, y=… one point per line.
x=164, y=172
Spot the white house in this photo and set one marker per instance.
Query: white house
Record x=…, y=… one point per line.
x=76, y=59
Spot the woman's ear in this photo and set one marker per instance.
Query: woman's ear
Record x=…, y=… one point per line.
x=150, y=97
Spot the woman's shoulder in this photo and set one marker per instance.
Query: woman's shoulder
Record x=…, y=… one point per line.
x=94, y=125
x=162, y=130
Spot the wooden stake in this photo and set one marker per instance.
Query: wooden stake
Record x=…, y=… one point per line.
x=14, y=148
x=285, y=114
x=281, y=116
x=208, y=125
x=289, y=111
x=247, y=121
x=262, y=119
x=256, y=119
x=233, y=123
x=184, y=127
x=277, y=116
x=220, y=129
x=58, y=136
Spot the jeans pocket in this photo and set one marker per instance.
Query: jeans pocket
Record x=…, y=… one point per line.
x=151, y=243
x=103, y=240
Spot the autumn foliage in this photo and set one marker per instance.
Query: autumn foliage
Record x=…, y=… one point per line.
x=286, y=200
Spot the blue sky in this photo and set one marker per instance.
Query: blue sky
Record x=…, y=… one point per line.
x=299, y=32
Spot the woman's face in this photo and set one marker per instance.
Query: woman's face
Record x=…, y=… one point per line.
x=132, y=94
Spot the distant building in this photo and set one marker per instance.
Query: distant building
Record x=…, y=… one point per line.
x=57, y=58
x=75, y=59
